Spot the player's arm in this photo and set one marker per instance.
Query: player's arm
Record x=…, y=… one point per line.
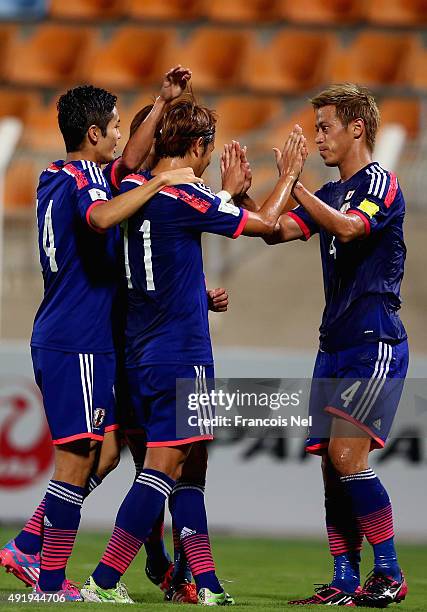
x=345, y=226
x=101, y=214
x=139, y=145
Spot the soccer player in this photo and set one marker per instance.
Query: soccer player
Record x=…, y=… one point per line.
x=72, y=345
x=167, y=338
x=174, y=579
x=363, y=343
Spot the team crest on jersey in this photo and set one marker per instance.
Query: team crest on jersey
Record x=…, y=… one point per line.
x=98, y=417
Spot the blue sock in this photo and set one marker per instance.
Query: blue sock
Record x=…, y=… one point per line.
x=181, y=570
x=344, y=536
x=386, y=559
x=347, y=571
x=157, y=556
x=372, y=507
x=61, y=522
x=187, y=505
x=29, y=540
x=93, y=482
x=135, y=519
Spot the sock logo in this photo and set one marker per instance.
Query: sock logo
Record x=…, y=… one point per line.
x=46, y=522
x=186, y=531
x=377, y=424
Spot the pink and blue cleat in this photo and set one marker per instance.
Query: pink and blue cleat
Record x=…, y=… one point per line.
x=24, y=567
x=68, y=592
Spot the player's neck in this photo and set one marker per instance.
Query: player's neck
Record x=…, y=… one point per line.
x=82, y=154
x=170, y=163
x=353, y=163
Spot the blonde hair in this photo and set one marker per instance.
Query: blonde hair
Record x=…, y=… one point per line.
x=352, y=102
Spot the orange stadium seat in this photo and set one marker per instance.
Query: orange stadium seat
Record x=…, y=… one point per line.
x=242, y=11
x=398, y=12
x=20, y=185
x=405, y=111
x=375, y=59
x=240, y=114
x=50, y=56
x=294, y=61
x=216, y=57
x=87, y=9
x=7, y=34
x=165, y=10
x=42, y=131
x=304, y=117
x=417, y=67
x=18, y=104
x=326, y=12
x=132, y=57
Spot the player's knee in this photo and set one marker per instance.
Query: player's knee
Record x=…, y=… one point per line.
x=344, y=459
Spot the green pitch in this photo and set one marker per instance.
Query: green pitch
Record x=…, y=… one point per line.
x=261, y=574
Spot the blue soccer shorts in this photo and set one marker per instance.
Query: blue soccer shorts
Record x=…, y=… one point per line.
x=78, y=393
x=362, y=385
x=165, y=418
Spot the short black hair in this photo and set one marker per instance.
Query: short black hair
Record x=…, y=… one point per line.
x=80, y=108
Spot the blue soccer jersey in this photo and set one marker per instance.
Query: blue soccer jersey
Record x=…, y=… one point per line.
x=79, y=264
x=167, y=301
x=362, y=278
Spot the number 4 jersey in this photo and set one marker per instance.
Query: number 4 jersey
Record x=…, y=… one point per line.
x=167, y=302
x=362, y=278
x=79, y=264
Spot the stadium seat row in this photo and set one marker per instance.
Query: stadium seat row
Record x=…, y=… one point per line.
x=383, y=12
x=238, y=116
x=292, y=61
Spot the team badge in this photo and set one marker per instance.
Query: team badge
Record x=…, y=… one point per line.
x=98, y=417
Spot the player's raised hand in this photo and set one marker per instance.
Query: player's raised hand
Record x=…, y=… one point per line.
x=291, y=159
x=218, y=300
x=233, y=172
x=179, y=176
x=247, y=169
x=174, y=83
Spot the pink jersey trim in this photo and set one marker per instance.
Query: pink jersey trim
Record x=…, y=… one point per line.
x=376, y=441
x=179, y=442
x=317, y=449
x=242, y=224
x=81, y=436
x=89, y=210
x=353, y=211
x=114, y=181
x=392, y=190
x=303, y=227
x=111, y=427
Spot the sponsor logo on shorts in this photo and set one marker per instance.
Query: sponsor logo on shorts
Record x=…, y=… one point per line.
x=98, y=417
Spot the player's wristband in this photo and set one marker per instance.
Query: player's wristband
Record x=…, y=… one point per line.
x=224, y=195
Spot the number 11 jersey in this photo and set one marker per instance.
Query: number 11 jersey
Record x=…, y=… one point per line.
x=79, y=263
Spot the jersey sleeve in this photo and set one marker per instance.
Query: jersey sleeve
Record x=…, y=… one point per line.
x=378, y=200
x=110, y=174
x=200, y=210
x=91, y=190
x=307, y=225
